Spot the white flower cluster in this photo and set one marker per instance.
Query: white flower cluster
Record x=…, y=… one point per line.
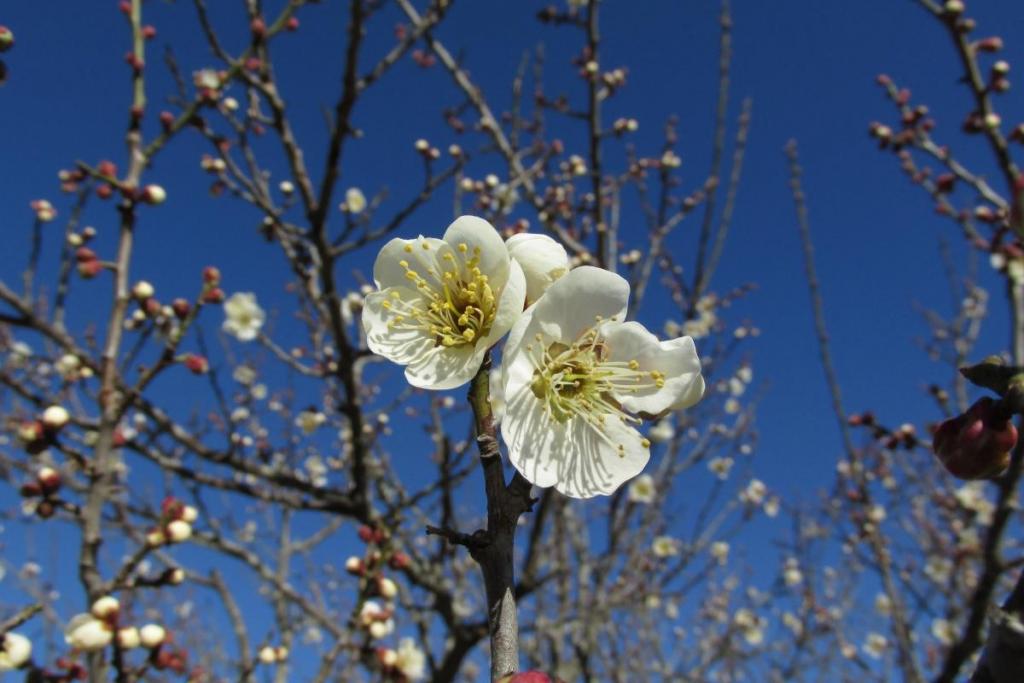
x=577, y=379
x=96, y=629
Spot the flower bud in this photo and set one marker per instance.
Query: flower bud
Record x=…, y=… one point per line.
x=143, y=290
x=15, y=649
x=196, y=364
x=211, y=276
x=386, y=587
x=977, y=444
x=49, y=480
x=179, y=531
x=153, y=194
x=542, y=259
x=181, y=308
x=292, y=24
x=55, y=417
x=189, y=514
x=6, y=39
x=106, y=607
x=128, y=638
x=354, y=566
x=267, y=655
x=399, y=561
x=176, y=576
x=152, y=635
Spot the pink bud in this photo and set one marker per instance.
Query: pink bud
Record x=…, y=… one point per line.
x=6, y=39
x=977, y=444
x=197, y=364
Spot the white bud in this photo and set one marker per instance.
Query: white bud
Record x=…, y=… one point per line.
x=105, y=607
x=542, y=259
x=143, y=290
x=179, y=531
x=128, y=638
x=267, y=655
x=17, y=649
x=152, y=635
x=55, y=417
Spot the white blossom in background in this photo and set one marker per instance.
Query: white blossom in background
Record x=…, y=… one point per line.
x=642, y=489
x=875, y=645
x=15, y=651
x=665, y=546
x=243, y=317
x=86, y=633
x=883, y=605
x=662, y=431
x=791, y=574
x=750, y=625
x=720, y=467
x=355, y=201
x=943, y=631
x=310, y=420
x=443, y=303
x=410, y=660
x=542, y=259
x=720, y=551
x=376, y=619
x=578, y=380
x=754, y=493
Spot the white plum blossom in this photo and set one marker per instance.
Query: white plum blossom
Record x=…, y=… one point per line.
x=720, y=551
x=662, y=431
x=410, y=660
x=86, y=633
x=443, y=302
x=754, y=493
x=376, y=619
x=152, y=635
x=15, y=651
x=875, y=645
x=642, y=489
x=578, y=379
x=943, y=630
x=665, y=546
x=355, y=201
x=542, y=259
x=243, y=316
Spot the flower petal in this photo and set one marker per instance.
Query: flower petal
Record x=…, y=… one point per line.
x=543, y=261
x=475, y=233
x=388, y=270
x=573, y=456
x=572, y=303
x=510, y=305
x=445, y=367
x=676, y=359
x=399, y=345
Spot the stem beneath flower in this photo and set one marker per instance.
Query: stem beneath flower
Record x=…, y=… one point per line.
x=494, y=553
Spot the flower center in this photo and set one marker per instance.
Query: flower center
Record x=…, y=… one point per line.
x=580, y=381
x=458, y=305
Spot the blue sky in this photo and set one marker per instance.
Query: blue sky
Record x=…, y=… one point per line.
x=808, y=65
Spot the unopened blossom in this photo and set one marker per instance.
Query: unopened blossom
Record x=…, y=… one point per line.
x=267, y=654
x=792, y=574
x=443, y=302
x=243, y=316
x=720, y=551
x=44, y=210
x=178, y=531
x=750, y=626
x=410, y=660
x=376, y=619
x=128, y=638
x=86, y=633
x=976, y=444
x=15, y=651
x=642, y=489
x=152, y=635
x=55, y=417
x=105, y=607
x=542, y=259
x=578, y=381
x=355, y=201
